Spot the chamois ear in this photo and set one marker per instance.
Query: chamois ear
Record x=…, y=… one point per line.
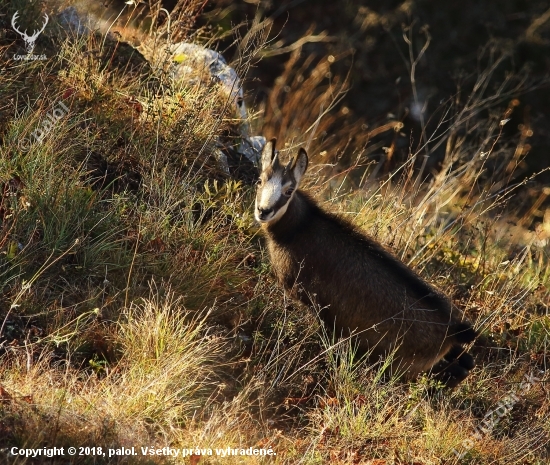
x=268, y=153
x=299, y=166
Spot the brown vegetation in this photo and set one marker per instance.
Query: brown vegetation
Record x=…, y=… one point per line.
x=137, y=304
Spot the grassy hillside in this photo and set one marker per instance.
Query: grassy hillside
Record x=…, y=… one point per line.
x=137, y=305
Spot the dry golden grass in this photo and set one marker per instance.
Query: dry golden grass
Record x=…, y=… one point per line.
x=137, y=308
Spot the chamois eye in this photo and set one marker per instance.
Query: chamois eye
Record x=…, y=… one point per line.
x=259, y=182
x=288, y=192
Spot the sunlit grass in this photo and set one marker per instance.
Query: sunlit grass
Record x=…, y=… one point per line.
x=138, y=309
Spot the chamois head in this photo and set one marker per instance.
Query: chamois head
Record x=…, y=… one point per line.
x=277, y=183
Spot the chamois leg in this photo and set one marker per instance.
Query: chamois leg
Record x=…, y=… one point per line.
x=454, y=367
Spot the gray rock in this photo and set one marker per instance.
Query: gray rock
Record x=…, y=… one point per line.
x=70, y=19
x=251, y=147
x=189, y=61
x=221, y=158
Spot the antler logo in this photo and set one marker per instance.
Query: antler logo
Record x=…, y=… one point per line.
x=29, y=40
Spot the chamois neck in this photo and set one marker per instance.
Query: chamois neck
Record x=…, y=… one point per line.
x=293, y=219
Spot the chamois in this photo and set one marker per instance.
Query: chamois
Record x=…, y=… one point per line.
x=362, y=289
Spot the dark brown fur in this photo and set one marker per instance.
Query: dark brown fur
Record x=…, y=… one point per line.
x=361, y=288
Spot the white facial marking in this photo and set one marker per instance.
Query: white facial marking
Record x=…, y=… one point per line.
x=271, y=192
x=267, y=201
